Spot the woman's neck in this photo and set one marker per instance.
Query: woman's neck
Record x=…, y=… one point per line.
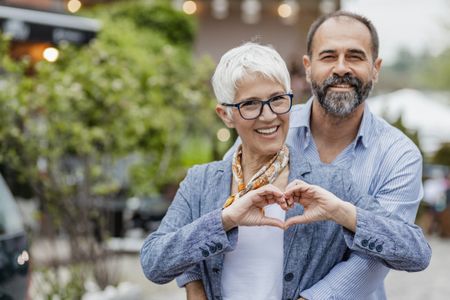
x=251, y=163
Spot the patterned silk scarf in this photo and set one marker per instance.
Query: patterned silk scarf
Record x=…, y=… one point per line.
x=267, y=174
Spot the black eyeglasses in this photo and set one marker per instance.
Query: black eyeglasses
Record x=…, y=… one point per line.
x=252, y=109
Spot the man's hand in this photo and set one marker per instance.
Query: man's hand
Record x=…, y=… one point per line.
x=319, y=205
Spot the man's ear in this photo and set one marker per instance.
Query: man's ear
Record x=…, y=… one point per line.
x=376, y=69
x=307, y=66
x=222, y=112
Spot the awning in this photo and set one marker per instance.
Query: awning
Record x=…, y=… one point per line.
x=33, y=25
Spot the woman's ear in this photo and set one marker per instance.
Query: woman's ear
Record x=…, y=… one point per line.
x=222, y=112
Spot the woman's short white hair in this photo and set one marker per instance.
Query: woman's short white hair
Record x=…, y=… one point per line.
x=250, y=58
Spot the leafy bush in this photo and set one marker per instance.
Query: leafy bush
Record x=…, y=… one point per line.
x=133, y=99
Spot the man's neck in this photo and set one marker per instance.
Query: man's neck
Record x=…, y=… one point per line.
x=332, y=134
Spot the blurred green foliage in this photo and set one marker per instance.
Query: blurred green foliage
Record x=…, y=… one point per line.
x=437, y=73
x=424, y=71
x=123, y=116
x=442, y=156
x=135, y=90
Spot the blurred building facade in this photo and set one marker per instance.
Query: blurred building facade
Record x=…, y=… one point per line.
x=36, y=26
x=224, y=24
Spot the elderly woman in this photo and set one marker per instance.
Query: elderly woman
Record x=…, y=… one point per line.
x=226, y=225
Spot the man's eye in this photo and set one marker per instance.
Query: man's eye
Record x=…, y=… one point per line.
x=356, y=57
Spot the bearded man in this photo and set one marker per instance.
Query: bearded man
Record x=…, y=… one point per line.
x=336, y=127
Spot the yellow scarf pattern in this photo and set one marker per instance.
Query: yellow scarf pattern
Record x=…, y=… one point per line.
x=267, y=174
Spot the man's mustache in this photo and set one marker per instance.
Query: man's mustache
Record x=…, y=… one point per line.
x=338, y=80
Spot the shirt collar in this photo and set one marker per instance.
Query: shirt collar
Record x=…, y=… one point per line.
x=301, y=116
x=365, y=127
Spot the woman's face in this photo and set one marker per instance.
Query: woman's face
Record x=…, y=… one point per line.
x=266, y=134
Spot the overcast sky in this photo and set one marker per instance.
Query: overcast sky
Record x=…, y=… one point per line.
x=412, y=24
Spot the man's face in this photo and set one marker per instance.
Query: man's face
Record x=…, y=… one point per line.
x=341, y=69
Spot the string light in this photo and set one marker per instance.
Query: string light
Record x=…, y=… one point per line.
x=50, y=54
x=288, y=11
x=189, y=7
x=284, y=10
x=73, y=6
x=223, y=134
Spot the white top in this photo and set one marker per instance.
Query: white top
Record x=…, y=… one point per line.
x=254, y=270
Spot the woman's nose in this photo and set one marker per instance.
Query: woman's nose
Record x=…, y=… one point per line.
x=267, y=114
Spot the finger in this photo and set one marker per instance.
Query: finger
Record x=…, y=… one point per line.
x=296, y=220
x=282, y=202
x=272, y=222
x=293, y=183
x=272, y=188
x=295, y=190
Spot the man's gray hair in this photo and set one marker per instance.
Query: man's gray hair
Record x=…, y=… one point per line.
x=248, y=59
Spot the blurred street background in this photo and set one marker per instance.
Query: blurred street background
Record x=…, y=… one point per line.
x=105, y=104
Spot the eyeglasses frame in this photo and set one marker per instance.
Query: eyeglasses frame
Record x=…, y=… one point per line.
x=263, y=102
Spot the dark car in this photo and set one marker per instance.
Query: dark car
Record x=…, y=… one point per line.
x=14, y=251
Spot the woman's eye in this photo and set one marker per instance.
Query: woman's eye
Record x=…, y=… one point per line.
x=275, y=98
x=250, y=103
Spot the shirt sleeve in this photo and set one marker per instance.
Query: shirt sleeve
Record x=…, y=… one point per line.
x=400, y=194
x=395, y=243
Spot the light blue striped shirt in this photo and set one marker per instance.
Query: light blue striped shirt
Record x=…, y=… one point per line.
x=386, y=164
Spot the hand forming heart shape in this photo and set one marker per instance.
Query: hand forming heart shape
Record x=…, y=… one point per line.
x=318, y=203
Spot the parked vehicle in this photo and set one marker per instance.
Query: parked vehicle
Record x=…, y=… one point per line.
x=14, y=249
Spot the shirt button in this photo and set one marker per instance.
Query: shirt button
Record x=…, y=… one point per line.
x=288, y=276
x=371, y=246
x=364, y=243
x=379, y=248
x=205, y=253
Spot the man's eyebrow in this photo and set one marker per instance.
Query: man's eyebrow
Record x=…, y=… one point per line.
x=327, y=51
x=357, y=51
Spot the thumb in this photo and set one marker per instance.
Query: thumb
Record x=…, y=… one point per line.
x=272, y=222
x=296, y=220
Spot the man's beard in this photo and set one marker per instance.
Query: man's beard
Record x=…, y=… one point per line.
x=341, y=104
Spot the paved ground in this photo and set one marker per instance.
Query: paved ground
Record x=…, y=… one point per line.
x=433, y=283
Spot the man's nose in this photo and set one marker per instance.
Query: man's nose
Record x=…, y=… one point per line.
x=342, y=67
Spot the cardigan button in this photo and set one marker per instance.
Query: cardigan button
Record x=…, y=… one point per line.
x=379, y=248
x=371, y=246
x=288, y=276
x=364, y=243
x=205, y=253
x=219, y=246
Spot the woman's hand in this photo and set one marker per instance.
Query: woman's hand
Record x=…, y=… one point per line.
x=248, y=209
x=195, y=290
x=319, y=205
